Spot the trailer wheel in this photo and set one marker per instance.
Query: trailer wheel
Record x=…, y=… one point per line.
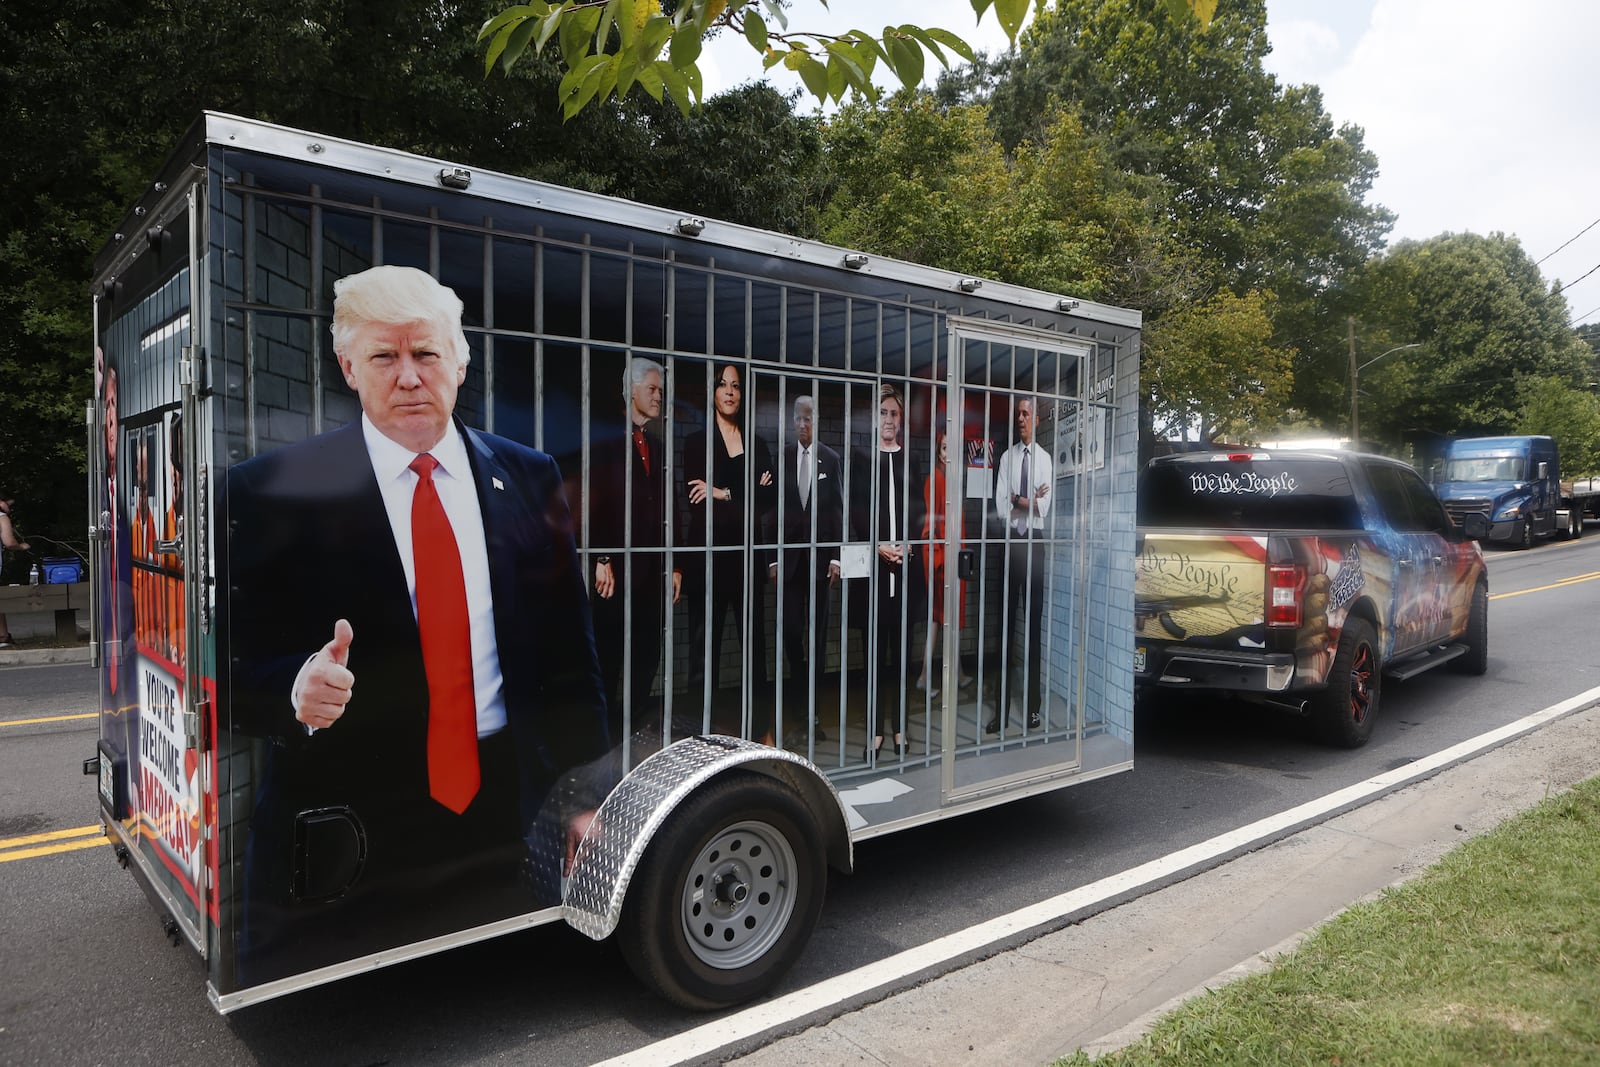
x=728, y=894
x=1476, y=637
x=1345, y=710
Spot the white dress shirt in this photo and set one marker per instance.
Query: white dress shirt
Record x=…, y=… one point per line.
x=391, y=462
x=1008, y=483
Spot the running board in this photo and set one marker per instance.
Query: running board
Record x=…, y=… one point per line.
x=1410, y=668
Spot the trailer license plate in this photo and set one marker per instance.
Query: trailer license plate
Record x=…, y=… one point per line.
x=1138, y=660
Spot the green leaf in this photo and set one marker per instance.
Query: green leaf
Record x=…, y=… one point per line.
x=1012, y=13
x=677, y=86
x=651, y=82
x=508, y=16
x=954, y=43
x=1203, y=10
x=517, y=42
x=582, y=83
x=774, y=57
x=656, y=33
x=685, y=47
x=815, y=75
x=838, y=78
x=775, y=9
x=905, y=59
x=496, y=46
x=980, y=6
x=868, y=50
x=755, y=31
x=608, y=81
x=548, y=26
x=845, y=56
x=608, y=18
x=918, y=34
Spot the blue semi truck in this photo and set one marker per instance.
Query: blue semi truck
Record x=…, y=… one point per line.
x=1515, y=482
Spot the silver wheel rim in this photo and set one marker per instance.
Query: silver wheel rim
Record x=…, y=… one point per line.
x=738, y=895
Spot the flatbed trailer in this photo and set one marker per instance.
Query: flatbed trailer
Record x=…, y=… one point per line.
x=730, y=782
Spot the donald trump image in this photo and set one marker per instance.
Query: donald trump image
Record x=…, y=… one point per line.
x=403, y=623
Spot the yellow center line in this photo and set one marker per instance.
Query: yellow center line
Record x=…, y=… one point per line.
x=48, y=850
x=1574, y=580
x=51, y=842
x=52, y=835
x=51, y=718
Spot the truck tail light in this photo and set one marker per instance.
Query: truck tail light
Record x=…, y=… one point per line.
x=1286, y=587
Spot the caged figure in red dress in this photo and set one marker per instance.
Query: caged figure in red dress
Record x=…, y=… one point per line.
x=933, y=495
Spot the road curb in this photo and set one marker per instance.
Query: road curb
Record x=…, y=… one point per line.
x=38, y=657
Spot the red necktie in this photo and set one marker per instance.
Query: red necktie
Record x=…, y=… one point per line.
x=644, y=446
x=446, y=646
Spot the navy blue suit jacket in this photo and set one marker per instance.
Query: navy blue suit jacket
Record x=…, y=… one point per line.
x=308, y=542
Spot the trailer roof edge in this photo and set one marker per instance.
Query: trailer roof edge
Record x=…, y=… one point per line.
x=287, y=142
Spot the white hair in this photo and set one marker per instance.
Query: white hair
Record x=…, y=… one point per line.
x=392, y=296
x=633, y=374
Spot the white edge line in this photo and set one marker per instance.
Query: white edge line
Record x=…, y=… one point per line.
x=703, y=1040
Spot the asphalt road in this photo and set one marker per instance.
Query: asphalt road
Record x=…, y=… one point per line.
x=89, y=977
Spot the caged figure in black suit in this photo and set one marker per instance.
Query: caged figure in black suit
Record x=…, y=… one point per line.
x=628, y=526
x=405, y=622
x=808, y=566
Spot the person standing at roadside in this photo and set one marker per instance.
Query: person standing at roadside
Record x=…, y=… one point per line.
x=10, y=543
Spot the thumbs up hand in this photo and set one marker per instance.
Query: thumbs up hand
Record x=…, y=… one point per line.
x=323, y=686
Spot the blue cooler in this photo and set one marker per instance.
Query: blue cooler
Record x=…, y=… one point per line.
x=61, y=570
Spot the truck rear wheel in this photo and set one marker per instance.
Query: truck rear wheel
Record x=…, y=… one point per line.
x=728, y=894
x=1343, y=713
x=1476, y=637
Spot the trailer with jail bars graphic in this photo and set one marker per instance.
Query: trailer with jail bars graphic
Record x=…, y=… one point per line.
x=474, y=553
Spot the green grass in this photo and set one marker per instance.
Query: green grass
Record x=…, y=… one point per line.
x=1491, y=957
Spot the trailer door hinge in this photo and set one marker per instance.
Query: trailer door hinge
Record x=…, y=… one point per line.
x=192, y=720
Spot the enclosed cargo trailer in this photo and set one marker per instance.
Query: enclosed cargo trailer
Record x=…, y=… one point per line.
x=769, y=547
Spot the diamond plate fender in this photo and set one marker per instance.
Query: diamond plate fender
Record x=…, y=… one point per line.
x=630, y=816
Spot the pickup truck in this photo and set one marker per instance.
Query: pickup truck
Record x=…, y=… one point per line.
x=1300, y=579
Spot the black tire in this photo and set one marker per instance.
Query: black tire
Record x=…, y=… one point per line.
x=1476, y=636
x=727, y=896
x=1574, y=524
x=1344, y=712
x=1526, y=541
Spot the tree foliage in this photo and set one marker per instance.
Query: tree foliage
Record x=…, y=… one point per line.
x=95, y=93
x=933, y=185
x=1212, y=365
x=1570, y=415
x=1489, y=326
x=1260, y=189
x=610, y=46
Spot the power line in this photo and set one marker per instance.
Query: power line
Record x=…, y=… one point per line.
x=1585, y=315
x=1574, y=237
x=1578, y=279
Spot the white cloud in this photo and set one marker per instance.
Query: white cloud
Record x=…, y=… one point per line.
x=1480, y=112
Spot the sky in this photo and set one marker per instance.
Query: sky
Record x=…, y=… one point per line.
x=1481, y=112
